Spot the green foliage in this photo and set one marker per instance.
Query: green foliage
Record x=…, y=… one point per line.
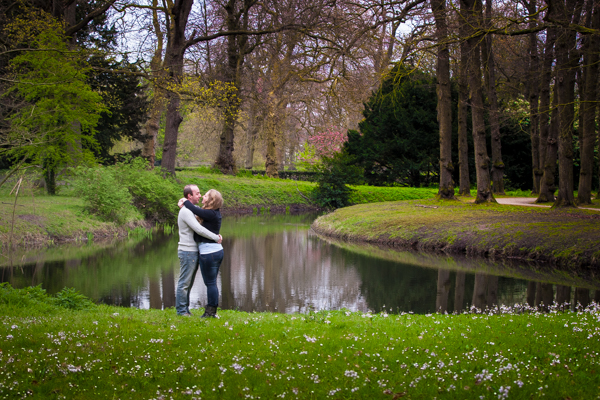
x=125, y=100
x=335, y=173
x=56, y=124
x=114, y=192
x=154, y=195
x=398, y=140
x=104, y=193
x=243, y=173
x=71, y=299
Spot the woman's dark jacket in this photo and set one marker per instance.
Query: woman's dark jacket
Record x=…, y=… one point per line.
x=211, y=220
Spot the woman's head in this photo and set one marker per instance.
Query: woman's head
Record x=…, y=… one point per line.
x=212, y=200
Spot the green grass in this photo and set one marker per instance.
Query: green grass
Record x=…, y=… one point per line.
x=568, y=236
x=41, y=219
x=105, y=352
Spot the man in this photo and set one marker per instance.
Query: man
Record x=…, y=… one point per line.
x=188, y=250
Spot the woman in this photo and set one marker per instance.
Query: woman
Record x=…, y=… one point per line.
x=211, y=253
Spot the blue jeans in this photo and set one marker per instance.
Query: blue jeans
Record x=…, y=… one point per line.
x=209, y=267
x=188, y=262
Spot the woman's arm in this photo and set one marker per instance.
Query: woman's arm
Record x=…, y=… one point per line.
x=189, y=219
x=206, y=215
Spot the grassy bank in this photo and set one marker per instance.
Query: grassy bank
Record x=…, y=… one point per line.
x=566, y=237
x=48, y=352
x=40, y=219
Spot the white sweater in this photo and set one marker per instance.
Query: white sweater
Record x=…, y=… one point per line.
x=187, y=225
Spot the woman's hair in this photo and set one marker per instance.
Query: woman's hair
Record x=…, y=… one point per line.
x=215, y=200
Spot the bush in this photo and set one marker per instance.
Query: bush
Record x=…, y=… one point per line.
x=334, y=174
x=154, y=195
x=71, y=299
x=114, y=192
x=104, y=193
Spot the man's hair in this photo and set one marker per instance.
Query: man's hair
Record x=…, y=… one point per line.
x=215, y=200
x=187, y=190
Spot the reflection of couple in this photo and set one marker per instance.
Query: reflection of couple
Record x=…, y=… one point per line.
x=199, y=245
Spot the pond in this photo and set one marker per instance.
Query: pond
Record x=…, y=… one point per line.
x=276, y=263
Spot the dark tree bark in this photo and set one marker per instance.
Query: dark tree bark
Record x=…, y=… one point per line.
x=533, y=95
x=177, y=18
x=492, y=291
x=472, y=9
x=567, y=12
x=582, y=297
x=237, y=19
x=463, y=109
x=547, y=143
x=588, y=106
x=251, y=134
x=490, y=83
x=443, y=291
x=544, y=296
x=547, y=187
x=531, y=286
x=563, y=296
x=158, y=100
x=459, y=292
x=444, y=105
x=479, y=291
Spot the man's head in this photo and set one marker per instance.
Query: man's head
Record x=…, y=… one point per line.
x=192, y=193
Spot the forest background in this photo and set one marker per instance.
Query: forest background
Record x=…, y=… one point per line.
x=404, y=92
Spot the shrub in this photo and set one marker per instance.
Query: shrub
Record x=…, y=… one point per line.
x=114, y=192
x=104, y=193
x=334, y=175
x=73, y=300
x=154, y=195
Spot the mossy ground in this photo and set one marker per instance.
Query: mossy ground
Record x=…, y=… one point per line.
x=567, y=237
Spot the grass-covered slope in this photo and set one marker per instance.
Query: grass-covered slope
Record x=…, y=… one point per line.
x=67, y=348
x=569, y=237
x=38, y=219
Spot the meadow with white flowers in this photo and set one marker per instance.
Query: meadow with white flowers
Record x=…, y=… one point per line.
x=66, y=347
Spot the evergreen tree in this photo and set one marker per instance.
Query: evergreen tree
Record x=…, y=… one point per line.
x=398, y=142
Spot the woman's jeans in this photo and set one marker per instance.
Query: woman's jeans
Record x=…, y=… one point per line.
x=188, y=261
x=209, y=267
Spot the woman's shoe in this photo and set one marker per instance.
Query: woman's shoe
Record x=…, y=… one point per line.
x=209, y=312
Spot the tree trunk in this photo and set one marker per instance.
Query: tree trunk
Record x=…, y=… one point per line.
x=544, y=194
x=547, y=187
x=463, y=109
x=236, y=52
x=444, y=106
x=566, y=64
x=490, y=80
x=251, y=135
x=563, y=296
x=531, y=294
x=176, y=46
x=156, y=109
x=472, y=8
x=533, y=90
x=582, y=297
x=588, y=108
x=479, y=291
x=459, y=292
x=492, y=291
x=443, y=291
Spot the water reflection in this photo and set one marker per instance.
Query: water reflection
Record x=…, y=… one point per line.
x=275, y=263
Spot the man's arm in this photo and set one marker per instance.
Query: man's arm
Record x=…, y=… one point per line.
x=189, y=219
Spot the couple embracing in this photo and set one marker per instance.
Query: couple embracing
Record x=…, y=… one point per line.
x=199, y=246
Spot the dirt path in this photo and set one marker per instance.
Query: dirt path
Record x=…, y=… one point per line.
x=529, y=202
